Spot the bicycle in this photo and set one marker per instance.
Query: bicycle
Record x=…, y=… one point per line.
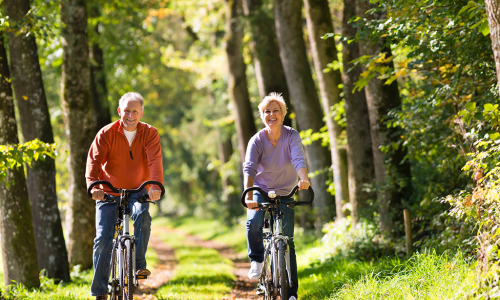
x=275, y=278
x=122, y=267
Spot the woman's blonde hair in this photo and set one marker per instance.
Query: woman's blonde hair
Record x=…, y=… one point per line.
x=270, y=98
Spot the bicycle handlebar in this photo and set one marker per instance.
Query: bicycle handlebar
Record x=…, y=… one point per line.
x=272, y=201
x=130, y=191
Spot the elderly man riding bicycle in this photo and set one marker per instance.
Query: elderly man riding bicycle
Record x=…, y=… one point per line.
x=125, y=153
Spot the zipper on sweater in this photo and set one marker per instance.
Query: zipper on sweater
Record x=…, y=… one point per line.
x=130, y=150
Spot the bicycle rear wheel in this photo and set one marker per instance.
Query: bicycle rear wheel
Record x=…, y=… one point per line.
x=128, y=276
x=282, y=274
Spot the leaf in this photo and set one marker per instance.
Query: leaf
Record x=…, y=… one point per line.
x=470, y=106
x=495, y=136
x=488, y=107
x=485, y=29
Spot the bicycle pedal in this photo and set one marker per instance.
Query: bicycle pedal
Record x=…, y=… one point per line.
x=259, y=291
x=142, y=277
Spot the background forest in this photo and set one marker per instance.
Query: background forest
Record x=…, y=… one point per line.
x=396, y=102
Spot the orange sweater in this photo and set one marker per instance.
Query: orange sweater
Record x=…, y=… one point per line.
x=111, y=158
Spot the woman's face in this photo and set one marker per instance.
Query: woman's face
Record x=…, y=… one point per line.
x=272, y=115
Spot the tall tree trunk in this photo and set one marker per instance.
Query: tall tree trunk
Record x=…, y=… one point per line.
x=393, y=178
x=35, y=123
x=304, y=97
x=319, y=23
x=493, y=13
x=267, y=63
x=359, y=143
x=17, y=236
x=99, y=91
x=77, y=110
x=237, y=80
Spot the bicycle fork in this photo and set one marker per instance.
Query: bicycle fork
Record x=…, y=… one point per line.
x=121, y=249
x=280, y=237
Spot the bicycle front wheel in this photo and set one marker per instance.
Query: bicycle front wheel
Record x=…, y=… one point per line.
x=282, y=274
x=114, y=281
x=128, y=276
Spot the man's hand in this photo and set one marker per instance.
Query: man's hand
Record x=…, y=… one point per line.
x=98, y=195
x=154, y=194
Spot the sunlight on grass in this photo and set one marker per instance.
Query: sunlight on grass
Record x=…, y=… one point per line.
x=424, y=276
x=201, y=273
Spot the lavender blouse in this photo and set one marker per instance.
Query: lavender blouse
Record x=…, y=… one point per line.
x=274, y=168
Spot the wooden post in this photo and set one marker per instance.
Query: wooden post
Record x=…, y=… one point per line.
x=409, y=240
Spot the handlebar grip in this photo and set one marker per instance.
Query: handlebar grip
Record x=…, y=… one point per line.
x=131, y=191
x=111, y=187
x=290, y=195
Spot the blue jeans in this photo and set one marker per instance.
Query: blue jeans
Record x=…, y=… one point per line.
x=105, y=220
x=255, y=222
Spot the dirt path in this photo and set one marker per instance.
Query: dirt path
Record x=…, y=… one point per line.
x=244, y=288
x=162, y=271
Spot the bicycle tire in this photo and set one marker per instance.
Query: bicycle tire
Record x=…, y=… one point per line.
x=128, y=276
x=114, y=285
x=282, y=274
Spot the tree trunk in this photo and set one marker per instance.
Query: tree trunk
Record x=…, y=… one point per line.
x=359, y=143
x=493, y=12
x=319, y=23
x=17, y=236
x=393, y=178
x=35, y=123
x=77, y=110
x=237, y=81
x=267, y=63
x=304, y=97
x=99, y=91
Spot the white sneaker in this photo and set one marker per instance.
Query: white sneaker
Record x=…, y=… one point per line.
x=292, y=298
x=255, y=270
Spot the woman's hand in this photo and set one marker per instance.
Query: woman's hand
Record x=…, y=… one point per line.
x=253, y=205
x=304, y=184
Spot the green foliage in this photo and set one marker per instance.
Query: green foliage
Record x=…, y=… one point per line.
x=14, y=156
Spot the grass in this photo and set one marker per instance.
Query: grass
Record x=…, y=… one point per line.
x=201, y=273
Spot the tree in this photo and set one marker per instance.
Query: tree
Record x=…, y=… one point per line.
x=304, y=97
x=266, y=57
x=99, y=91
x=324, y=52
x=79, y=125
x=359, y=143
x=493, y=13
x=392, y=172
x=17, y=235
x=35, y=123
x=237, y=80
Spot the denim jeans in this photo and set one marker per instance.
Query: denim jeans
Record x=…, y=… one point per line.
x=105, y=220
x=255, y=222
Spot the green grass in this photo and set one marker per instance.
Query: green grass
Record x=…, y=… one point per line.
x=201, y=273
x=424, y=276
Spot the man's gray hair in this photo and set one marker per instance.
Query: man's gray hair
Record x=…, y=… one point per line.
x=132, y=96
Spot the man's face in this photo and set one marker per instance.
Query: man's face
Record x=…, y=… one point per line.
x=130, y=113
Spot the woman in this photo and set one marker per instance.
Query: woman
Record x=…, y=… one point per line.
x=273, y=159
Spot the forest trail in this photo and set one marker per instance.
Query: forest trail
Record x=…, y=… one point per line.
x=243, y=289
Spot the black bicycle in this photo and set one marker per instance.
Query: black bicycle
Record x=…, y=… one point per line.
x=276, y=277
x=122, y=268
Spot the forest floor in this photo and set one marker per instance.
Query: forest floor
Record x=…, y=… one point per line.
x=243, y=288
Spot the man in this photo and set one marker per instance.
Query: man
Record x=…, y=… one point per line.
x=125, y=153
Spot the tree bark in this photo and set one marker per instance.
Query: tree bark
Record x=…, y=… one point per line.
x=359, y=143
x=17, y=235
x=35, y=123
x=304, y=97
x=237, y=80
x=493, y=13
x=99, y=91
x=319, y=23
x=79, y=124
x=267, y=63
x=393, y=178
